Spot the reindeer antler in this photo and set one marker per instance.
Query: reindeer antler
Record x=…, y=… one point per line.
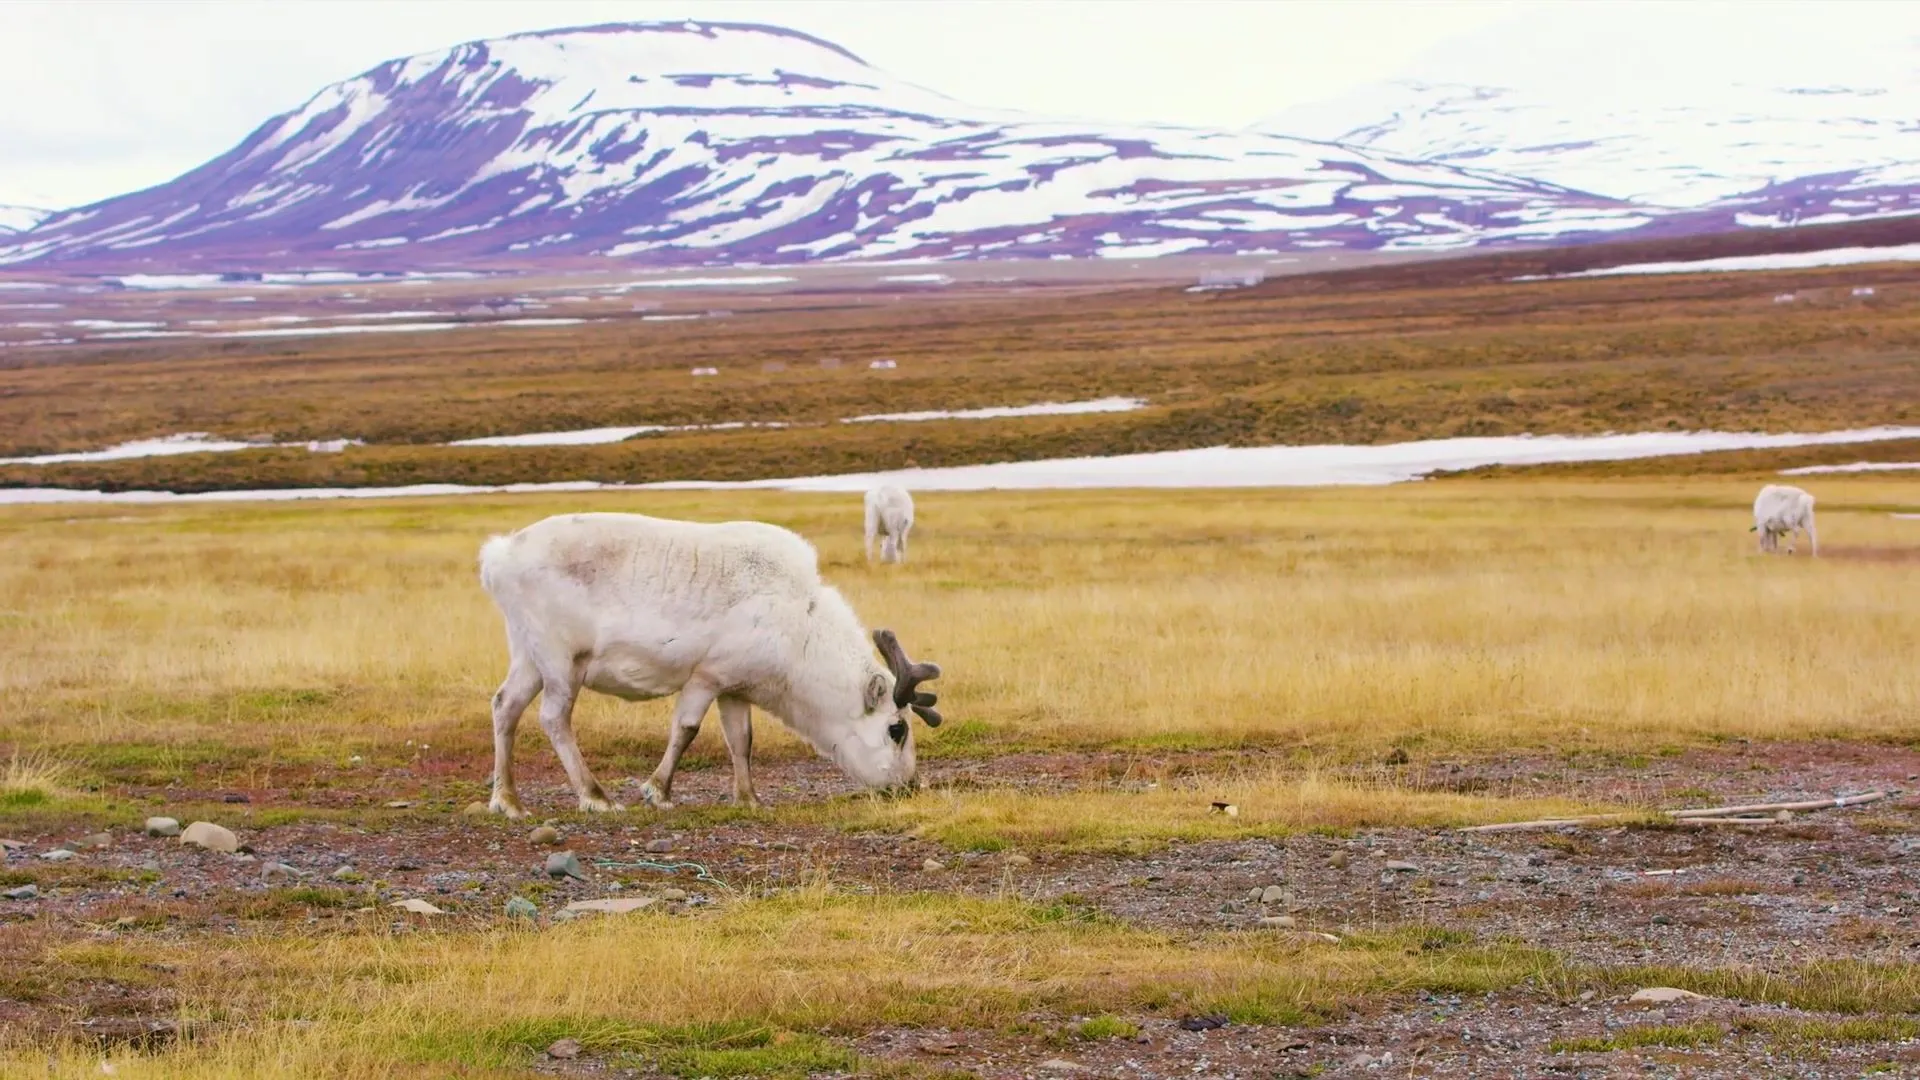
x=907, y=677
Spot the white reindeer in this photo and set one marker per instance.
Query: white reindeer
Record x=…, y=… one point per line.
x=641, y=607
x=1778, y=511
x=890, y=517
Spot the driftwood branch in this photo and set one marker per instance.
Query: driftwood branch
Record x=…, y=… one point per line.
x=1707, y=815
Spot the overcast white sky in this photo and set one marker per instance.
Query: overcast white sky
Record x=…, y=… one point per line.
x=100, y=97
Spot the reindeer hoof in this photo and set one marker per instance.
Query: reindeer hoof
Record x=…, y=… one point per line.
x=509, y=807
x=599, y=806
x=654, y=798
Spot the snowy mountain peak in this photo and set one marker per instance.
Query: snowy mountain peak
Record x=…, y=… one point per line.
x=721, y=142
x=18, y=219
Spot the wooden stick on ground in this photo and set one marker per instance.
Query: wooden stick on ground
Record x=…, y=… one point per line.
x=1707, y=815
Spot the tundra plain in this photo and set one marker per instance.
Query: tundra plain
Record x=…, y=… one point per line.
x=1353, y=673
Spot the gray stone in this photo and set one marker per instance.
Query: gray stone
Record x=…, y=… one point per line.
x=278, y=871
x=57, y=855
x=345, y=873
x=1338, y=860
x=24, y=892
x=1061, y=1065
x=475, y=809
x=1253, y=894
x=659, y=847
x=563, y=864
x=94, y=840
x=418, y=907
x=1017, y=859
x=1273, y=894
x=210, y=836
x=1663, y=995
x=521, y=908
x=564, y=1049
x=162, y=826
x=1280, y=922
x=933, y=866
x=673, y=894
x=1398, y=866
x=544, y=836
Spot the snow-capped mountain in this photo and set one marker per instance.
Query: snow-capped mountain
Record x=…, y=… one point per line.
x=1754, y=110
x=715, y=142
x=18, y=219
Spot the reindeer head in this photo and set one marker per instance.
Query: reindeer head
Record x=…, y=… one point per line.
x=878, y=749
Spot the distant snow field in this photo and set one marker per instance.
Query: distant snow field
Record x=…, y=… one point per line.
x=1856, y=467
x=996, y=412
x=1796, y=260
x=1213, y=467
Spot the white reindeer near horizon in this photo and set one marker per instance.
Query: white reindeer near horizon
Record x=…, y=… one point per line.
x=889, y=517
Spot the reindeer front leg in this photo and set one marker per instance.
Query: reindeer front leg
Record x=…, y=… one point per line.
x=736, y=724
x=687, y=714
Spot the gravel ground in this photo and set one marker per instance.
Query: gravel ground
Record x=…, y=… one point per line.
x=1841, y=884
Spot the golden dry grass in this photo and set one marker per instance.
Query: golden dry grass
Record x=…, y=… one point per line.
x=1472, y=614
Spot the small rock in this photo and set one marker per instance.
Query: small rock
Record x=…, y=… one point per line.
x=520, y=907
x=619, y=905
x=1783, y=815
x=1226, y=808
x=1398, y=866
x=210, y=836
x=24, y=892
x=1061, y=1065
x=12, y=845
x=544, y=836
x=345, y=873
x=57, y=855
x=1273, y=894
x=151, y=865
x=407, y=864
x=1253, y=894
x=399, y=804
x=235, y=797
x=659, y=847
x=564, y=1049
x=1398, y=757
x=1338, y=860
x=1017, y=859
x=1202, y=1023
x=1799, y=879
x=565, y=864
x=418, y=907
x=475, y=809
x=933, y=866
x=278, y=871
x=243, y=856
x=673, y=894
x=1589, y=995
x=1662, y=920
x=1283, y=922
x=1662, y=995
x=94, y=840
x=162, y=826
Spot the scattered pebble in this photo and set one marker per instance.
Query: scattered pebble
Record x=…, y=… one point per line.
x=1017, y=859
x=564, y=1049
x=520, y=907
x=475, y=809
x=619, y=905
x=162, y=826
x=1272, y=894
x=545, y=835
x=1662, y=920
x=673, y=894
x=418, y=907
x=1283, y=922
x=1202, y=1023
x=345, y=873
x=12, y=845
x=210, y=836
x=1338, y=860
x=1061, y=1065
x=94, y=840
x=399, y=804
x=24, y=892
x=933, y=866
x=564, y=864
x=278, y=871
x=57, y=855
x=660, y=846
x=234, y=797
x=1399, y=866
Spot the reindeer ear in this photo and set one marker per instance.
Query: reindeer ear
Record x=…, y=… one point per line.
x=876, y=692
